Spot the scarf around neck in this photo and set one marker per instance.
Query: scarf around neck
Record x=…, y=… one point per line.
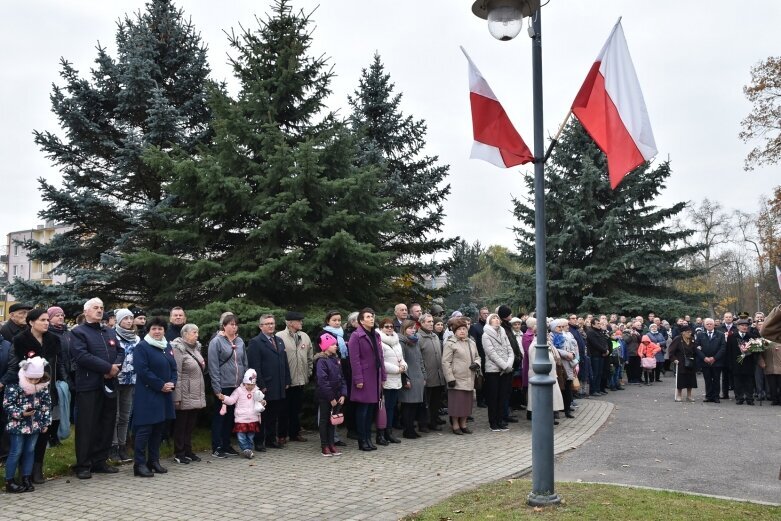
x=125, y=334
x=160, y=344
x=338, y=332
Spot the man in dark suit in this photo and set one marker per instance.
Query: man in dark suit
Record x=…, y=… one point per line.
x=711, y=350
x=743, y=370
x=729, y=328
x=266, y=355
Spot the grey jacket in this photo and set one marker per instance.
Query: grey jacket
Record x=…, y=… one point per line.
x=431, y=349
x=415, y=373
x=498, y=351
x=189, y=392
x=226, y=364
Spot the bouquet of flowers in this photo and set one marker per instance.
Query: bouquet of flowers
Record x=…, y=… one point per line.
x=755, y=345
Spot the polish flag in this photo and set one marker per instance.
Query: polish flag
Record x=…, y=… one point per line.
x=611, y=108
x=495, y=138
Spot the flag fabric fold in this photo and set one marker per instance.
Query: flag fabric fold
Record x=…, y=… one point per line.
x=495, y=137
x=611, y=108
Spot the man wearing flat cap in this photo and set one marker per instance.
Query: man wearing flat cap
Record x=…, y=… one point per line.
x=300, y=359
x=17, y=314
x=743, y=371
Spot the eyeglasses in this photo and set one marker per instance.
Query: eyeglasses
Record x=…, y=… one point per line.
x=268, y=324
x=387, y=326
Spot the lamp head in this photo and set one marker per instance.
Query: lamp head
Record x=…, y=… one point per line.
x=505, y=17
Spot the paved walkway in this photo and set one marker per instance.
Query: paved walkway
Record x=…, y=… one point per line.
x=298, y=484
x=722, y=449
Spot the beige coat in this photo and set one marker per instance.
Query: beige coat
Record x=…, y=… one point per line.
x=456, y=359
x=189, y=390
x=300, y=355
x=558, y=399
x=771, y=358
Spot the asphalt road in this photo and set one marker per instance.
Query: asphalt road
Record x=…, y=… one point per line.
x=650, y=440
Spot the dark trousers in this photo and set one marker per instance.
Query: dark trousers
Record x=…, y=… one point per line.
x=95, y=417
x=497, y=391
x=596, y=374
x=434, y=401
x=633, y=370
x=774, y=387
x=222, y=426
x=274, y=420
x=184, y=425
x=294, y=396
x=391, y=400
x=744, y=387
x=566, y=394
x=727, y=382
x=146, y=446
x=658, y=371
x=409, y=413
x=712, y=377
x=605, y=376
x=327, y=431
x=364, y=416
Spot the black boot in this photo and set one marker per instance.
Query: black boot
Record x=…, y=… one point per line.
x=12, y=488
x=362, y=445
x=142, y=471
x=371, y=445
x=155, y=467
x=27, y=483
x=38, y=478
x=389, y=436
x=381, y=438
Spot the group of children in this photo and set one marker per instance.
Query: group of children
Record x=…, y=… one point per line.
x=330, y=392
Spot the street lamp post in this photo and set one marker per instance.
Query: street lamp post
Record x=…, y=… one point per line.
x=505, y=19
x=756, y=289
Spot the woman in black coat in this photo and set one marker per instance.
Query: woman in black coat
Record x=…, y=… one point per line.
x=683, y=353
x=34, y=341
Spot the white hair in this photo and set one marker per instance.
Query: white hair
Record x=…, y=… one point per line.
x=91, y=302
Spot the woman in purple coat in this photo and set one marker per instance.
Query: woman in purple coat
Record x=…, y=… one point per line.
x=368, y=373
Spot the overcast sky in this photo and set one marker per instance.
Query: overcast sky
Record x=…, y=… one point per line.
x=692, y=58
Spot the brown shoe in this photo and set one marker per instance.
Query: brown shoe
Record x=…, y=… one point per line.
x=282, y=441
x=298, y=438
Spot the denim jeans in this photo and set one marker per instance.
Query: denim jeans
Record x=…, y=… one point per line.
x=124, y=407
x=615, y=378
x=391, y=399
x=596, y=374
x=246, y=440
x=364, y=416
x=22, y=449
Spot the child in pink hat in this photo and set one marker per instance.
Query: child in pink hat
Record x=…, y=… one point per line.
x=250, y=403
x=330, y=391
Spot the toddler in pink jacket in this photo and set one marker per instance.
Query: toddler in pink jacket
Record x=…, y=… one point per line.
x=249, y=404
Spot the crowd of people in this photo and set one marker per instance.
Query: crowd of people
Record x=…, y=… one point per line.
x=114, y=370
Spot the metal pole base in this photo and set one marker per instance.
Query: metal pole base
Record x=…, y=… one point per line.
x=542, y=500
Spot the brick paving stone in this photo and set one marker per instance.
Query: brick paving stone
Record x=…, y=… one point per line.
x=298, y=483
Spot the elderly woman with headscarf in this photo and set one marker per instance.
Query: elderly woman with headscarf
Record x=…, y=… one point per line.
x=499, y=360
x=553, y=357
x=657, y=337
x=567, y=347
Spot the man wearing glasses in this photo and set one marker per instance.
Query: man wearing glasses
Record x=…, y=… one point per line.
x=266, y=355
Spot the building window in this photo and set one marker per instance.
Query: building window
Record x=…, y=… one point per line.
x=16, y=270
x=16, y=250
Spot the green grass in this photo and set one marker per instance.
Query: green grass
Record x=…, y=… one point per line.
x=507, y=500
x=59, y=459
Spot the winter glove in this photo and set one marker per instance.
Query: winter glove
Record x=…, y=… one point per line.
x=508, y=370
x=451, y=383
x=475, y=366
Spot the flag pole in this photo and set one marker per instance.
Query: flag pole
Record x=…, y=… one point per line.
x=555, y=140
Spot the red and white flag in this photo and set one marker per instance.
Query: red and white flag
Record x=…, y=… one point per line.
x=611, y=108
x=495, y=138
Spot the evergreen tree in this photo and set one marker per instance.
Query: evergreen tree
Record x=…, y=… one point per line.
x=412, y=182
x=277, y=209
x=464, y=264
x=606, y=250
x=153, y=94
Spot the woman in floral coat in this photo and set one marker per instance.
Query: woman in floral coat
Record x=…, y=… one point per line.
x=27, y=406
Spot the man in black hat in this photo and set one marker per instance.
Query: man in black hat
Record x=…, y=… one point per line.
x=743, y=370
x=109, y=319
x=139, y=321
x=300, y=358
x=17, y=314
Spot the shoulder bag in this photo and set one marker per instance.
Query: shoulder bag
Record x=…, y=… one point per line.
x=478, y=372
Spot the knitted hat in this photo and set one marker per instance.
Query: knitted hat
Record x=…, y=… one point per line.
x=33, y=367
x=250, y=377
x=54, y=310
x=122, y=314
x=504, y=311
x=327, y=340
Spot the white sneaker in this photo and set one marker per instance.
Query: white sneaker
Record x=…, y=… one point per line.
x=247, y=453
